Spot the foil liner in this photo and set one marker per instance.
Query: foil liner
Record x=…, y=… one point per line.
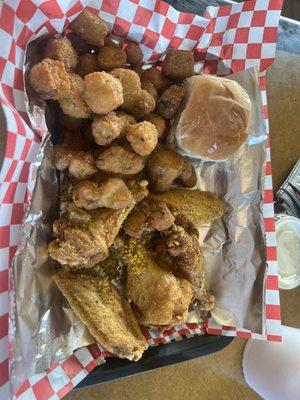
x=47, y=330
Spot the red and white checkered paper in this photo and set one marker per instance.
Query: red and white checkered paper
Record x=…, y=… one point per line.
x=228, y=39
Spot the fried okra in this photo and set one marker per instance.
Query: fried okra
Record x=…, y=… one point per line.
x=158, y=122
x=131, y=86
x=120, y=160
x=144, y=104
x=169, y=101
x=102, y=92
x=142, y=137
x=60, y=48
x=178, y=65
x=153, y=75
x=149, y=87
x=106, y=128
x=111, y=57
x=134, y=54
x=90, y=27
x=87, y=63
x=50, y=79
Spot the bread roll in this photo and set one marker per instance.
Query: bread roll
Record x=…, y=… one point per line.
x=213, y=120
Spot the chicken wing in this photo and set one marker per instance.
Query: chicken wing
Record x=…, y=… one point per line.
x=159, y=298
x=196, y=205
x=107, y=315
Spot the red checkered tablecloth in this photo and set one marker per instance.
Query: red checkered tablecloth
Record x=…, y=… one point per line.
x=227, y=39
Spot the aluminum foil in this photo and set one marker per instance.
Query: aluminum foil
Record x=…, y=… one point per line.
x=47, y=330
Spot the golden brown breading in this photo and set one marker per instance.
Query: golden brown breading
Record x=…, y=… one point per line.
x=77, y=248
x=144, y=104
x=113, y=193
x=59, y=226
x=102, y=92
x=178, y=65
x=134, y=54
x=107, y=315
x=196, y=205
x=87, y=64
x=169, y=101
x=142, y=137
x=149, y=87
x=131, y=86
x=120, y=160
x=80, y=164
x=159, y=298
x=148, y=216
x=126, y=120
x=153, y=75
x=60, y=48
x=165, y=166
x=75, y=107
x=50, y=79
x=158, y=122
x=81, y=46
x=106, y=128
x=111, y=57
x=90, y=27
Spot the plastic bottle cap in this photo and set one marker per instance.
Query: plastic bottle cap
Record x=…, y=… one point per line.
x=288, y=251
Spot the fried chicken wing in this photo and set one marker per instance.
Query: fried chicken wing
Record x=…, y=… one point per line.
x=80, y=164
x=102, y=92
x=90, y=27
x=106, y=128
x=134, y=54
x=158, y=122
x=107, y=315
x=60, y=48
x=120, y=160
x=78, y=249
x=50, y=79
x=159, y=298
x=196, y=205
x=142, y=137
x=148, y=216
x=178, y=65
x=113, y=193
x=87, y=64
x=169, y=101
x=111, y=57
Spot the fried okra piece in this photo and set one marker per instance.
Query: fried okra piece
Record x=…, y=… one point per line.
x=74, y=104
x=158, y=122
x=164, y=167
x=111, y=57
x=106, y=128
x=131, y=86
x=81, y=46
x=80, y=164
x=148, y=216
x=178, y=65
x=90, y=27
x=134, y=54
x=102, y=92
x=87, y=63
x=50, y=79
x=142, y=137
x=113, y=193
x=120, y=160
x=153, y=75
x=149, y=87
x=145, y=103
x=169, y=101
x=60, y=48
x=126, y=120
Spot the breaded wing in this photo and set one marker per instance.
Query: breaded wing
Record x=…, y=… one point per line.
x=196, y=205
x=107, y=315
x=160, y=299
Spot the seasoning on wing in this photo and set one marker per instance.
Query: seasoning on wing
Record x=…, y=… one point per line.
x=107, y=315
x=159, y=298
